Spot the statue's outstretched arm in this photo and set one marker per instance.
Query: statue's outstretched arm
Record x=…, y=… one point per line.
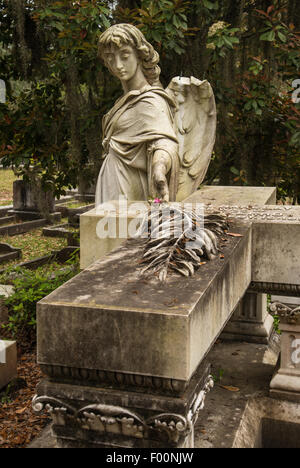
x=161, y=165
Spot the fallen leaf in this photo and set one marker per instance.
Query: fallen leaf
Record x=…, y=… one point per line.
x=21, y=411
x=234, y=234
x=18, y=440
x=230, y=388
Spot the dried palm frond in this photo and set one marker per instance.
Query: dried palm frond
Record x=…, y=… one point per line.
x=178, y=239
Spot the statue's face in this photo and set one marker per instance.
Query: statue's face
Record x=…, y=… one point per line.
x=122, y=62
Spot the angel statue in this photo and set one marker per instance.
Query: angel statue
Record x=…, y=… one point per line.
x=157, y=142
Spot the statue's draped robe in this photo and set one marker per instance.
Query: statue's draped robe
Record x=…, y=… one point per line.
x=140, y=123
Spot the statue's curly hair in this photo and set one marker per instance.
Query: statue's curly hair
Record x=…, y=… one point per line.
x=127, y=34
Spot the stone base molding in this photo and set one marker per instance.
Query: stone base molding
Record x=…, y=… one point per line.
x=91, y=417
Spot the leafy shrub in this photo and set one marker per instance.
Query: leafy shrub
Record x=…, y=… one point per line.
x=31, y=287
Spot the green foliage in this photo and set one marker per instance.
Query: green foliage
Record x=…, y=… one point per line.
x=164, y=23
x=261, y=123
x=5, y=397
x=30, y=287
x=218, y=377
x=221, y=37
x=276, y=318
x=58, y=90
x=33, y=129
x=50, y=126
x=277, y=324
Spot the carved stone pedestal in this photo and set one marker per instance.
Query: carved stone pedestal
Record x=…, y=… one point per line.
x=123, y=354
x=251, y=321
x=285, y=384
x=88, y=416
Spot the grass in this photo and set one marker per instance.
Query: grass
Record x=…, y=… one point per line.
x=6, y=202
x=72, y=205
x=7, y=177
x=33, y=245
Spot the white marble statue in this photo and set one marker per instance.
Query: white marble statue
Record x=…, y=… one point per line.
x=157, y=143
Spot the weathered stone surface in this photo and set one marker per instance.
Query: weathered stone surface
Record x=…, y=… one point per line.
x=290, y=301
x=8, y=362
x=218, y=195
x=286, y=381
x=92, y=247
x=251, y=321
x=7, y=252
x=119, y=218
x=276, y=252
x=108, y=318
x=7, y=220
x=25, y=199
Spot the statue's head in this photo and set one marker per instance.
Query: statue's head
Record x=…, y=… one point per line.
x=130, y=39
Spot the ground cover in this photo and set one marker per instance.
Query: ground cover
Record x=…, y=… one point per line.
x=18, y=424
x=7, y=178
x=74, y=205
x=33, y=245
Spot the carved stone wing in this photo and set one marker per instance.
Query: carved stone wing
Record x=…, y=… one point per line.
x=196, y=120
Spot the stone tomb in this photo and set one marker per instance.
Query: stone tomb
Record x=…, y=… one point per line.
x=121, y=352
x=143, y=339
x=128, y=312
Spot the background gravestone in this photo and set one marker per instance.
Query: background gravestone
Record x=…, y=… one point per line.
x=27, y=199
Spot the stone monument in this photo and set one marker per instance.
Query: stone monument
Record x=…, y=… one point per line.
x=124, y=357
x=157, y=143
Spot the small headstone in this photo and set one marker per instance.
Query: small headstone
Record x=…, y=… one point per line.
x=24, y=198
x=8, y=362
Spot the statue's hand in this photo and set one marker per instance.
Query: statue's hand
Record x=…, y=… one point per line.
x=161, y=167
x=161, y=183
